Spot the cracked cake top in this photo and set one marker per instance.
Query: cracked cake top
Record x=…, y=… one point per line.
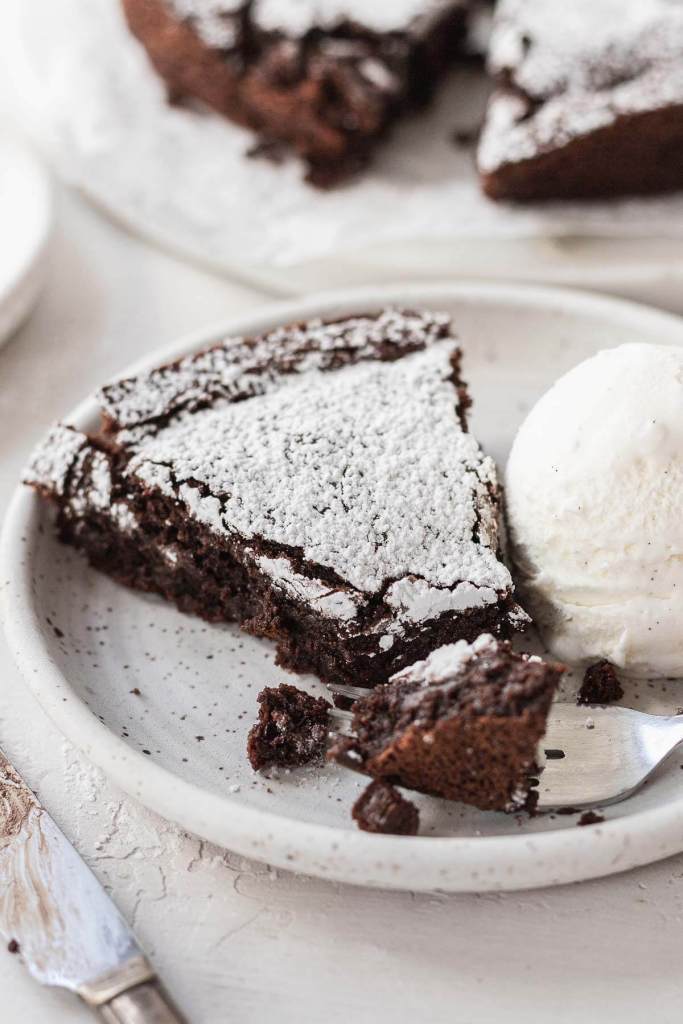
x=341, y=445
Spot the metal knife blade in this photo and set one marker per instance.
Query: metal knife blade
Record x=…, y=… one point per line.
x=55, y=912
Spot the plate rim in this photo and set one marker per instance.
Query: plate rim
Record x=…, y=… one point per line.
x=423, y=863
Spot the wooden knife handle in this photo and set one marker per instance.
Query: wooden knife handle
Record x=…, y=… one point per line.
x=143, y=1004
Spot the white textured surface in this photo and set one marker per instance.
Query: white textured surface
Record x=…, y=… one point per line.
x=594, y=485
x=233, y=937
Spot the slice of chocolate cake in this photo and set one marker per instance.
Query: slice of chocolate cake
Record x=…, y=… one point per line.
x=317, y=484
x=464, y=724
x=326, y=77
x=589, y=99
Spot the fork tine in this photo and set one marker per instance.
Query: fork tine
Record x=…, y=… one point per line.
x=347, y=692
x=341, y=722
x=341, y=715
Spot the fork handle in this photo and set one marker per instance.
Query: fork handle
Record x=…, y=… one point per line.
x=143, y=1004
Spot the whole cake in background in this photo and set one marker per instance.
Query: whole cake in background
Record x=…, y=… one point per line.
x=588, y=94
x=589, y=99
x=325, y=77
x=317, y=484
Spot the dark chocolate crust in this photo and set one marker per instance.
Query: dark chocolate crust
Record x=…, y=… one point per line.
x=311, y=93
x=472, y=739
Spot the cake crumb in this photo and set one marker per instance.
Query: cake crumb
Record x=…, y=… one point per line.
x=291, y=730
x=590, y=818
x=269, y=149
x=465, y=138
x=600, y=685
x=13, y=946
x=530, y=804
x=381, y=808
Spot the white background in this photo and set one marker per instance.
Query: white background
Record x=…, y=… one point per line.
x=235, y=941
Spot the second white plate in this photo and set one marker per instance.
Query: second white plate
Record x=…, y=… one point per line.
x=26, y=224
x=86, y=645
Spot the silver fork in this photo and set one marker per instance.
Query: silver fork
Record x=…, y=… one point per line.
x=595, y=756
x=609, y=752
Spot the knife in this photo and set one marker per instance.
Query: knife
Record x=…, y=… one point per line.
x=55, y=913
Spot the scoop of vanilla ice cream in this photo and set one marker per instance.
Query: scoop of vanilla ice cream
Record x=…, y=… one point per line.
x=595, y=510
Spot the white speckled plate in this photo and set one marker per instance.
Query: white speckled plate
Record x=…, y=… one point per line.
x=86, y=645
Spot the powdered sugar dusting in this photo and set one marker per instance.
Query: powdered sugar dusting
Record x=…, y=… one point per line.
x=66, y=457
x=416, y=601
x=91, y=482
x=551, y=46
x=52, y=460
x=446, y=663
x=212, y=20
x=586, y=63
x=367, y=470
x=330, y=601
x=239, y=368
x=339, y=445
x=296, y=17
x=215, y=23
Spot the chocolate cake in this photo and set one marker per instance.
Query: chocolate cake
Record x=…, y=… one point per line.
x=317, y=484
x=600, y=685
x=590, y=818
x=381, y=808
x=326, y=77
x=292, y=728
x=589, y=99
x=464, y=724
